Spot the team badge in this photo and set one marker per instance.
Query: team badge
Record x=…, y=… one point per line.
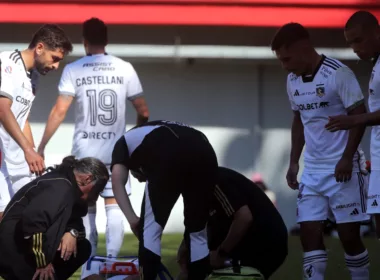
x=8, y=70
x=320, y=91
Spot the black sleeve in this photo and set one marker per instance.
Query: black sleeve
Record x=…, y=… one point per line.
x=229, y=198
x=43, y=209
x=120, y=153
x=76, y=219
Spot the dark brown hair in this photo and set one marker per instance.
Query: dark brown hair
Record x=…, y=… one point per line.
x=95, y=32
x=289, y=34
x=362, y=18
x=53, y=37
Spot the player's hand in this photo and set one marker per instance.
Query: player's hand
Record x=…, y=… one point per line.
x=35, y=161
x=182, y=257
x=45, y=273
x=135, y=227
x=216, y=260
x=41, y=151
x=68, y=246
x=341, y=122
x=291, y=176
x=343, y=170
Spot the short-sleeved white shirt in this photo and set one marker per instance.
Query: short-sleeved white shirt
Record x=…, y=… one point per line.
x=332, y=90
x=374, y=105
x=101, y=84
x=19, y=85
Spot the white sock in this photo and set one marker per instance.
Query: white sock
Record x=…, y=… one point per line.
x=89, y=222
x=314, y=265
x=114, y=230
x=358, y=266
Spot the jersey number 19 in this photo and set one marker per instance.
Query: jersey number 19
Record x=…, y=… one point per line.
x=106, y=103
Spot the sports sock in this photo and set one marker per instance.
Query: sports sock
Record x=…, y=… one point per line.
x=114, y=230
x=314, y=265
x=358, y=266
x=89, y=222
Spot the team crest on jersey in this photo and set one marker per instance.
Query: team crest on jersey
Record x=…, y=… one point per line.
x=8, y=70
x=320, y=91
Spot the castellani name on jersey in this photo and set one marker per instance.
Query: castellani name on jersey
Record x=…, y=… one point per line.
x=332, y=90
x=374, y=105
x=101, y=84
x=18, y=85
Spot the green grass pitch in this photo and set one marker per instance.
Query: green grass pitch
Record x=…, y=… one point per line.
x=291, y=269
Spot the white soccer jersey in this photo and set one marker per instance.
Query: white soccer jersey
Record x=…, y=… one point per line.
x=374, y=105
x=101, y=84
x=19, y=85
x=332, y=90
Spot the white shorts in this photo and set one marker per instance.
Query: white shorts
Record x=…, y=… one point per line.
x=95, y=264
x=373, y=202
x=5, y=187
x=19, y=176
x=108, y=192
x=321, y=197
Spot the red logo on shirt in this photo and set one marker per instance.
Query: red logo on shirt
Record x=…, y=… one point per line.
x=8, y=69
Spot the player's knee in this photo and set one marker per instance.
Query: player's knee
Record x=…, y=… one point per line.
x=84, y=251
x=377, y=222
x=349, y=232
x=349, y=235
x=311, y=234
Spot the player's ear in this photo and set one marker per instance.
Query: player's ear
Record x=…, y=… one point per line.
x=40, y=48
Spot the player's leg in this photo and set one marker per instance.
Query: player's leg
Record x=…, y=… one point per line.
x=19, y=176
x=263, y=250
x=159, y=199
x=5, y=190
x=115, y=221
x=197, y=194
x=65, y=269
x=89, y=222
x=349, y=207
x=114, y=227
x=18, y=182
x=262, y=255
x=312, y=211
x=373, y=202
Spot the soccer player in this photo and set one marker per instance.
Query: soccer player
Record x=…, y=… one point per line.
x=243, y=226
x=100, y=84
x=333, y=180
x=362, y=33
x=19, y=76
x=40, y=231
x=173, y=159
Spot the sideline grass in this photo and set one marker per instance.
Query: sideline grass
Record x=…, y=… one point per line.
x=291, y=270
